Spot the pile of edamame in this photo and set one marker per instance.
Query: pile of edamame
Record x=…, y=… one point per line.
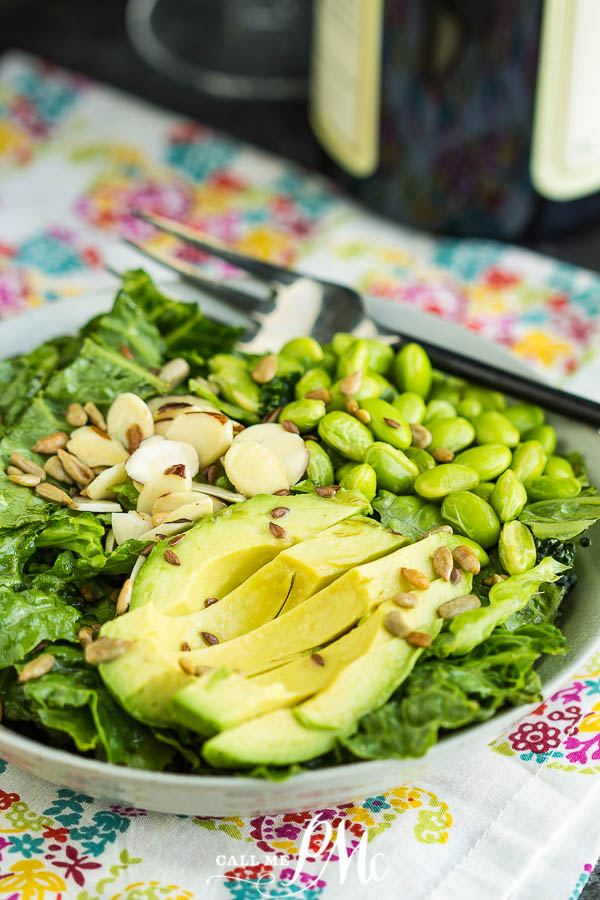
x=378, y=420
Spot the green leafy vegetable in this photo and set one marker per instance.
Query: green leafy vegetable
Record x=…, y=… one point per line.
x=126, y=494
x=443, y=694
x=124, y=327
x=279, y=391
x=561, y=519
x=22, y=377
x=408, y=515
x=470, y=628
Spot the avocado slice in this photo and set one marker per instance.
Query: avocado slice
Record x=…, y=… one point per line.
x=222, y=699
x=294, y=575
x=357, y=689
x=148, y=675
x=224, y=549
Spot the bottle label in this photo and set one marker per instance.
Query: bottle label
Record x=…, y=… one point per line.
x=345, y=81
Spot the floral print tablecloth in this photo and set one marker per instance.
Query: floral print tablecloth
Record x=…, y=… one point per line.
x=516, y=819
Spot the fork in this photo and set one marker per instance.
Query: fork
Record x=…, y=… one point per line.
x=289, y=304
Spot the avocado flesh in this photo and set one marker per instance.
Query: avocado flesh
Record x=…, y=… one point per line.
x=211, y=704
x=323, y=616
x=293, y=576
x=223, y=550
x=277, y=738
x=146, y=677
x=254, y=742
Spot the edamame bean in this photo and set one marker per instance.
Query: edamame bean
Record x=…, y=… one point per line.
x=232, y=377
x=387, y=424
x=546, y=435
x=421, y=458
x=516, y=548
x=320, y=467
x=329, y=361
x=438, y=409
x=354, y=359
x=446, y=387
x=559, y=467
x=412, y=370
x=288, y=365
x=363, y=479
x=529, y=460
x=341, y=341
x=345, y=434
x=470, y=408
x=489, y=460
x=410, y=406
x=313, y=380
x=509, y=496
x=305, y=349
x=394, y=470
x=381, y=355
x=453, y=434
x=437, y=483
x=525, y=416
x=304, y=413
x=492, y=427
x=487, y=398
x=370, y=386
x=470, y=515
x=484, y=490
x=544, y=487
x=343, y=470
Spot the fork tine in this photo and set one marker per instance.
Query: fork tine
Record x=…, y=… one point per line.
x=187, y=272
x=260, y=269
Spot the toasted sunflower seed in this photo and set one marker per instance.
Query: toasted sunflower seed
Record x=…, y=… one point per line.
x=185, y=647
x=498, y=579
x=352, y=407
x=55, y=469
x=290, y=426
x=124, y=598
x=443, y=455
x=439, y=529
x=27, y=465
x=271, y=416
x=405, y=599
x=171, y=557
x=53, y=494
x=279, y=511
x=94, y=415
x=419, y=639
x=85, y=636
x=421, y=436
x=125, y=351
x=12, y=470
x=328, y=490
x=318, y=659
x=455, y=575
x=277, y=531
x=73, y=466
x=395, y=624
x=76, y=415
x=191, y=668
x=25, y=479
x=175, y=371
x=416, y=578
x=452, y=608
x=351, y=384
x=105, y=649
x=265, y=369
x=87, y=593
x=442, y=562
x=37, y=667
x=209, y=638
x=392, y=423
x=467, y=559
x=51, y=443
x=363, y=416
x=210, y=601
x=320, y=394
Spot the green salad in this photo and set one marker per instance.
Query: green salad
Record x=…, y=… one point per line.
x=216, y=561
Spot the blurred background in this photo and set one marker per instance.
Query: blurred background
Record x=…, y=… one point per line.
x=423, y=109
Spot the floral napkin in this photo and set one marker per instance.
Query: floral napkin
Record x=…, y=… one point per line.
x=516, y=819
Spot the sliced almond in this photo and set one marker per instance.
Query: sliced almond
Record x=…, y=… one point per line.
x=253, y=469
x=127, y=410
x=124, y=598
x=101, y=487
x=83, y=504
x=109, y=543
x=215, y=491
x=95, y=448
x=168, y=503
x=209, y=432
x=179, y=520
x=129, y=525
x=153, y=456
x=289, y=448
x=156, y=403
x=162, y=484
x=175, y=371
